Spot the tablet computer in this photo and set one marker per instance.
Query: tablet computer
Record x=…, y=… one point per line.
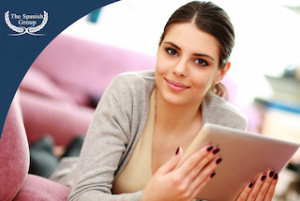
x=244, y=155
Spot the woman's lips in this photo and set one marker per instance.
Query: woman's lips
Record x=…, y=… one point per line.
x=176, y=86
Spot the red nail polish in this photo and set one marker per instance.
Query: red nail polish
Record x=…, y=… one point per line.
x=216, y=150
x=219, y=160
x=210, y=148
x=177, y=151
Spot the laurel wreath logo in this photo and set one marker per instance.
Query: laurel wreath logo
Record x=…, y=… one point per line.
x=26, y=30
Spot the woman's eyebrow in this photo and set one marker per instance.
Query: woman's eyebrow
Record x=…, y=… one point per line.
x=173, y=44
x=196, y=54
x=204, y=55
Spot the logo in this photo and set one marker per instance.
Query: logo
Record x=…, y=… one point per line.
x=26, y=23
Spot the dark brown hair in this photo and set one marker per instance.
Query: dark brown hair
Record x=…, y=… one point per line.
x=213, y=20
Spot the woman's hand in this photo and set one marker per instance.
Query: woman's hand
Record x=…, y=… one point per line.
x=185, y=182
x=262, y=190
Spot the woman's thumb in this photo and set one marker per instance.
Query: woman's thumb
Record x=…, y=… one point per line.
x=172, y=163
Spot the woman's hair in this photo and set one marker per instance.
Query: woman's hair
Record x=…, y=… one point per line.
x=213, y=20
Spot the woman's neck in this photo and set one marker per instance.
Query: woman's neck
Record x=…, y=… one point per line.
x=177, y=119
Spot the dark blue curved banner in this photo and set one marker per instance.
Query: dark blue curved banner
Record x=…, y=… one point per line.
x=26, y=28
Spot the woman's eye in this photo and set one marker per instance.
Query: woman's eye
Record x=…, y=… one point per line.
x=171, y=51
x=201, y=62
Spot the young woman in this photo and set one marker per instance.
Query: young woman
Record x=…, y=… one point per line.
x=145, y=120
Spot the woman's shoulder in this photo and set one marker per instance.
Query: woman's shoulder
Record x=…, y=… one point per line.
x=132, y=82
x=218, y=110
x=130, y=91
x=136, y=76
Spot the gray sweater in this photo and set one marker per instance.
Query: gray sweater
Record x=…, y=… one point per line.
x=119, y=120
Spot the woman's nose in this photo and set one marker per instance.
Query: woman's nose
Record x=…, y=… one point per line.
x=180, y=68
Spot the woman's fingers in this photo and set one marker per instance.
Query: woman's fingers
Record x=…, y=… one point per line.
x=245, y=192
x=172, y=163
x=195, y=171
x=271, y=190
x=256, y=188
x=199, y=166
x=265, y=186
x=262, y=190
x=204, y=176
x=203, y=169
x=197, y=161
x=183, y=183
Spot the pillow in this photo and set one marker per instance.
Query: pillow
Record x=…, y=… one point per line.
x=39, y=83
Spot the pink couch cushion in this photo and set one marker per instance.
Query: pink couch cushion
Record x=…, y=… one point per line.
x=41, y=189
x=39, y=83
x=63, y=121
x=83, y=66
x=14, y=154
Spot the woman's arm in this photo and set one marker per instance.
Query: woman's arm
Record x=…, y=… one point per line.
x=108, y=140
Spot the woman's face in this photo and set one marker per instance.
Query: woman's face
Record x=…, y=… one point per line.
x=187, y=64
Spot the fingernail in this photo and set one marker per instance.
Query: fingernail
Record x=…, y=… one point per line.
x=275, y=176
x=251, y=185
x=219, y=160
x=177, y=151
x=271, y=174
x=263, y=177
x=210, y=148
x=212, y=175
x=216, y=150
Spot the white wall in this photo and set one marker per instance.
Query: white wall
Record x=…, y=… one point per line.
x=267, y=35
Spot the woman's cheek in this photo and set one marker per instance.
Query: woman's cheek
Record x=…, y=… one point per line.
x=161, y=65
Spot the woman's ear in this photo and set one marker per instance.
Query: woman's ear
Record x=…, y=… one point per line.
x=223, y=72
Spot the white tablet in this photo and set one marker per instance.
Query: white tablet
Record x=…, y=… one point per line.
x=244, y=156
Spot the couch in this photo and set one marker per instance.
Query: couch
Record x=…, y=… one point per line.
x=68, y=78
x=16, y=183
x=57, y=97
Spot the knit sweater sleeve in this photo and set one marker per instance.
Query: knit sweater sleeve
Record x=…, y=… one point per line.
x=108, y=141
